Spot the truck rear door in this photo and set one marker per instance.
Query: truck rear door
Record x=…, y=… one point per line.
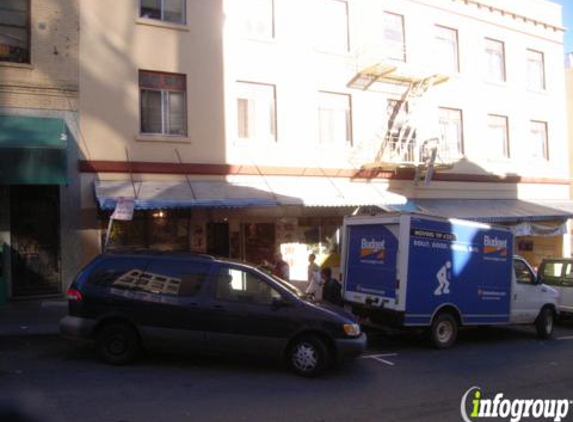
x=370, y=262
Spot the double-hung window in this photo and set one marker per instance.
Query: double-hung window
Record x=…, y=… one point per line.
x=256, y=111
x=451, y=129
x=172, y=11
x=447, y=49
x=539, y=147
x=535, y=70
x=255, y=18
x=333, y=33
x=15, y=31
x=335, y=119
x=394, y=37
x=495, y=60
x=498, y=137
x=163, y=103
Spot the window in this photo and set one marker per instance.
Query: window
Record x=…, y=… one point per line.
x=495, y=56
x=15, y=31
x=173, y=277
x=523, y=274
x=333, y=31
x=538, y=147
x=535, y=70
x=497, y=137
x=451, y=130
x=334, y=115
x=236, y=285
x=163, y=103
x=255, y=18
x=447, y=49
x=118, y=272
x=165, y=10
x=256, y=111
x=394, y=39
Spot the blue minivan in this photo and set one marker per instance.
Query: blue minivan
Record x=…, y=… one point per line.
x=128, y=301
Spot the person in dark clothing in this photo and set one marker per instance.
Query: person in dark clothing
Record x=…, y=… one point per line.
x=331, y=290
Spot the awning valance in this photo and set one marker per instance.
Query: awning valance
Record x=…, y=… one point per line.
x=498, y=210
x=33, y=150
x=245, y=192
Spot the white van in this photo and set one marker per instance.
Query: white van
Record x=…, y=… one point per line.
x=558, y=273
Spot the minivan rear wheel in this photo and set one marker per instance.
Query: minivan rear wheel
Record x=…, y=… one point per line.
x=308, y=356
x=117, y=343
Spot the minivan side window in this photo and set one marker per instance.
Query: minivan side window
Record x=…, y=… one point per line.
x=236, y=285
x=568, y=280
x=173, y=277
x=523, y=274
x=118, y=272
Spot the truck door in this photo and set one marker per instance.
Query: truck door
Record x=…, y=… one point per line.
x=371, y=262
x=526, y=294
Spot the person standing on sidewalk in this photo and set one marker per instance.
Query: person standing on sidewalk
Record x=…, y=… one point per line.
x=314, y=279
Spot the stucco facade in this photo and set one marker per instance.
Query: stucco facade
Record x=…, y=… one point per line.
x=284, y=57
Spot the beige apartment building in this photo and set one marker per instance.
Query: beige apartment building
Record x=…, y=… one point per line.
x=39, y=180
x=245, y=127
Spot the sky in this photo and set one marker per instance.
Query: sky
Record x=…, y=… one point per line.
x=568, y=23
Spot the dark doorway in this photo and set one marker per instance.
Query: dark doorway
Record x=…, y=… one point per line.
x=35, y=229
x=218, y=239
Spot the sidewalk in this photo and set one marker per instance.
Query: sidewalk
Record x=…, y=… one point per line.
x=32, y=317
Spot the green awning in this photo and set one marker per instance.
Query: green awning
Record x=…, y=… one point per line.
x=33, y=150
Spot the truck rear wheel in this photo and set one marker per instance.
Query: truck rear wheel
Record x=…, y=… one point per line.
x=544, y=323
x=444, y=331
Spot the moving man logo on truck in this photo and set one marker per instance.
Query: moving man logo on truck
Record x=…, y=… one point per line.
x=372, y=248
x=494, y=245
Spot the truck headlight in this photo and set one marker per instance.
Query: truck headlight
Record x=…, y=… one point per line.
x=352, y=330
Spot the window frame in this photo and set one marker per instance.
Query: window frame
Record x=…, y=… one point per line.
x=439, y=40
x=460, y=142
x=349, y=141
x=506, y=147
x=489, y=42
x=162, y=10
x=28, y=28
x=258, y=87
x=337, y=49
x=165, y=110
x=252, y=34
x=545, y=152
x=404, y=55
x=543, y=85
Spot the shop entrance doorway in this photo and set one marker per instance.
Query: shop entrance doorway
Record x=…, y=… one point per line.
x=218, y=239
x=35, y=240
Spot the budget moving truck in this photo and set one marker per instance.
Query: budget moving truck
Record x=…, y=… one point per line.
x=415, y=270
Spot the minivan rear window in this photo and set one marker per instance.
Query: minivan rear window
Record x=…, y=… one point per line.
x=118, y=272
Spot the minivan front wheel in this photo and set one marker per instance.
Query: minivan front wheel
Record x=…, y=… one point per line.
x=308, y=356
x=117, y=343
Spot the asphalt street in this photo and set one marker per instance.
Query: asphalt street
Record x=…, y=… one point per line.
x=399, y=379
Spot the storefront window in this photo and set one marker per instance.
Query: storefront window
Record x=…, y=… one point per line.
x=161, y=230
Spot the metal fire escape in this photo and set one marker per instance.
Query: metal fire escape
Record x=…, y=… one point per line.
x=398, y=145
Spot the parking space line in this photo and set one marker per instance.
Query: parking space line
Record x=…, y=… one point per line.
x=379, y=358
x=565, y=338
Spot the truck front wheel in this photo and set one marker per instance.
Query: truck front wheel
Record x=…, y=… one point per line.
x=544, y=323
x=444, y=331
